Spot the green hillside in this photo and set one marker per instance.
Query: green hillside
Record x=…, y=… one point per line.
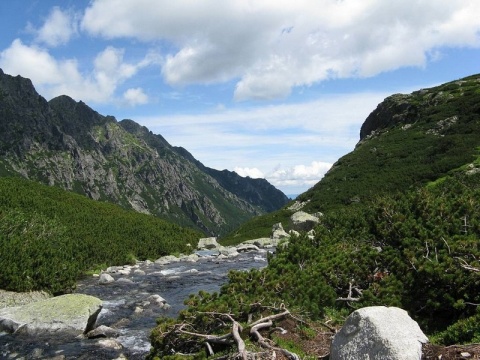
x=50, y=237
x=408, y=141
x=401, y=227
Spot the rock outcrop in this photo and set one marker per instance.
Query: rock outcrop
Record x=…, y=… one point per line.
x=378, y=332
x=71, y=314
x=302, y=221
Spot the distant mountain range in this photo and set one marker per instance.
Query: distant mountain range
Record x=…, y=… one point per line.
x=67, y=144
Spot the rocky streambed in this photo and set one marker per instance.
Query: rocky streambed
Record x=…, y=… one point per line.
x=133, y=297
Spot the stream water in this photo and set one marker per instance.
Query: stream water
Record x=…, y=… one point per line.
x=125, y=307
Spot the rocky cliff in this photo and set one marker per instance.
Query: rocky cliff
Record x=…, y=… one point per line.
x=67, y=144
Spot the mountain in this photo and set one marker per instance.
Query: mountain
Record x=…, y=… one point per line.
x=408, y=141
x=65, y=143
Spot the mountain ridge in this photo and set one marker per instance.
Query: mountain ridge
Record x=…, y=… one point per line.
x=65, y=143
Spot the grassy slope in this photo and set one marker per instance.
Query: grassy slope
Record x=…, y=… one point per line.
x=49, y=237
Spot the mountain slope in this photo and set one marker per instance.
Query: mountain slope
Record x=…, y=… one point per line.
x=406, y=142
x=49, y=237
x=67, y=144
x=400, y=227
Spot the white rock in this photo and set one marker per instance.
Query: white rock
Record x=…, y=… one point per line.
x=208, y=243
x=157, y=299
x=378, y=332
x=110, y=343
x=247, y=247
x=165, y=260
x=124, y=271
x=105, y=279
x=227, y=251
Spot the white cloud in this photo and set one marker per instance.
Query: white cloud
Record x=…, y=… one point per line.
x=254, y=141
x=270, y=46
x=135, y=96
x=55, y=77
x=58, y=28
x=254, y=173
x=299, y=176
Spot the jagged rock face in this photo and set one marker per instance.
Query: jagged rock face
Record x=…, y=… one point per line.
x=67, y=144
x=394, y=110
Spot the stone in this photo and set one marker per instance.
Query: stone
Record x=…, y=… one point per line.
x=105, y=279
x=209, y=243
x=278, y=232
x=190, y=258
x=262, y=242
x=247, y=247
x=124, y=281
x=302, y=221
x=110, y=344
x=378, y=332
x=157, y=299
x=73, y=314
x=165, y=260
x=102, y=331
x=227, y=251
x=124, y=272
x=139, y=272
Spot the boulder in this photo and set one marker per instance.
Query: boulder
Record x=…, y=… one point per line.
x=105, y=279
x=209, y=243
x=227, y=251
x=157, y=299
x=247, y=247
x=278, y=232
x=302, y=221
x=262, y=242
x=190, y=258
x=378, y=332
x=73, y=314
x=101, y=332
x=165, y=260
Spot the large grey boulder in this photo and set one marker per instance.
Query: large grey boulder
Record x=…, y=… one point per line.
x=302, y=221
x=380, y=333
x=73, y=314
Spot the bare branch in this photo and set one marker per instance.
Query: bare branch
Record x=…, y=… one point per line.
x=350, y=296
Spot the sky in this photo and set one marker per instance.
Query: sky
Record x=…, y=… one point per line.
x=273, y=89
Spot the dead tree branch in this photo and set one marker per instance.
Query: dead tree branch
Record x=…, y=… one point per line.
x=350, y=295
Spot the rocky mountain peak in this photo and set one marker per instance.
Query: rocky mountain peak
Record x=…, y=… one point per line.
x=66, y=143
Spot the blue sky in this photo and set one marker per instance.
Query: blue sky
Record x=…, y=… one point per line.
x=268, y=88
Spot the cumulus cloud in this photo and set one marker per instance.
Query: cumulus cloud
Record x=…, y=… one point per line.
x=135, y=96
x=254, y=173
x=253, y=141
x=299, y=176
x=58, y=28
x=270, y=47
x=55, y=77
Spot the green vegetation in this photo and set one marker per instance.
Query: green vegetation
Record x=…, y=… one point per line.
x=50, y=237
x=401, y=227
x=418, y=250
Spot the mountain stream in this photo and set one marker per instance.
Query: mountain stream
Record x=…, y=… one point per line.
x=126, y=308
